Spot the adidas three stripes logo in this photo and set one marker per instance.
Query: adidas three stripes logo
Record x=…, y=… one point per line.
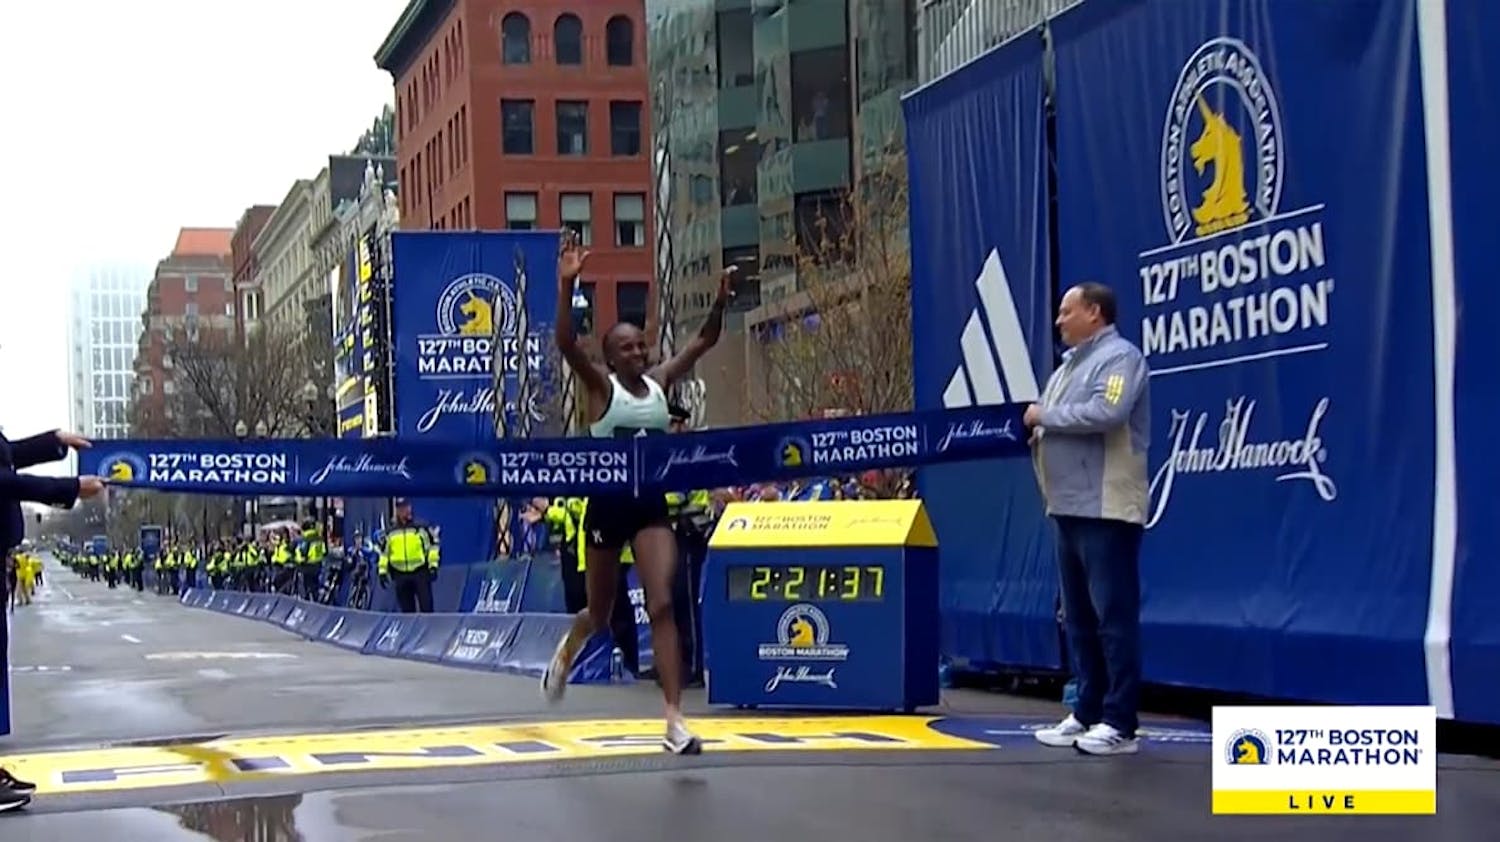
x=996, y=365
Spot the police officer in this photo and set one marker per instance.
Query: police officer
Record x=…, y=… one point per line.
x=310, y=555
x=409, y=559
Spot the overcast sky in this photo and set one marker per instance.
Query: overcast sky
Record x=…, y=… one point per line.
x=124, y=121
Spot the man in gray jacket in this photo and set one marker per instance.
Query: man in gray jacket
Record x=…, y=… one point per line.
x=1089, y=436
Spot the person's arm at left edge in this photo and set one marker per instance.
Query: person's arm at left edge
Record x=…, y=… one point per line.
x=1116, y=387
x=37, y=450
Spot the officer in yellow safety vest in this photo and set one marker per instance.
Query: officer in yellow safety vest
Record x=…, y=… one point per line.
x=409, y=559
x=310, y=554
x=285, y=576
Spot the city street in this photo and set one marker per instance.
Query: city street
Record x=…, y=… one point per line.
x=145, y=720
x=93, y=666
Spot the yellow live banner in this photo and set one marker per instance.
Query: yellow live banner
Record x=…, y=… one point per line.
x=1369, y=802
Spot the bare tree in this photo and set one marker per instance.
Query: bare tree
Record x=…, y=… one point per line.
x=842, y=344
x=220, y=381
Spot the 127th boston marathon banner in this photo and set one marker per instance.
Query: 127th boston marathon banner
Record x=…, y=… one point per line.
x=462, y=302
x=1250, y=177
x=417, y=467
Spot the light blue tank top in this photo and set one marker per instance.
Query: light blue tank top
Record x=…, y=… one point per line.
x=629, y=415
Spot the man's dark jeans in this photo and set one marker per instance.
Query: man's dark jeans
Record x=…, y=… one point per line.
x=1099, y=562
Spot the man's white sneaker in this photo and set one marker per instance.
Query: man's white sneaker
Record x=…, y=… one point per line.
x=1063, y=734
x=1106, y=740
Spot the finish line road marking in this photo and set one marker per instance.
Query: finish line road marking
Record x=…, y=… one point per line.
x=258, y=758
x=218, y=656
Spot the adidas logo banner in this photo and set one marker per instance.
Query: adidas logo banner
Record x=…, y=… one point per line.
x=981, y=316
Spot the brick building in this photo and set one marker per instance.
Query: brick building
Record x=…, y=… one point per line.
x=244, y=265
x=192, y=291
x=530, y=115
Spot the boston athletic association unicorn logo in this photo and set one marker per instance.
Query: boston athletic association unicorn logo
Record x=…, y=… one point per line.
x=479, y=315
x=1220, y=146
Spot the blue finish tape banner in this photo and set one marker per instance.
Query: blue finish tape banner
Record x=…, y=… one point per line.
x=1472, y=32
x=982, y=324
x=548, y=467
x=1250, y=177
x=456, y=292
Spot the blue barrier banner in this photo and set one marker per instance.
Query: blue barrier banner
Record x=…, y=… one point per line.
x=982, y=326
x=352, y=629
x=459, y=306
x=421, y=468
x=479, y=640
x=498, y=585
x=1249, y=176
x=1470, y=581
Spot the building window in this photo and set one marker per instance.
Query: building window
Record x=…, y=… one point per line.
x=189, y=284
x=625, y=128
x=820, y=94
x=739, y=158
x=520, y=211
x=822, y=226
x=630, y=219
x=572, y=128
x=583, y=318
x=577, y=214
x=736, y=54
x=746, y=282
x=191, y=310
x=619, y=41
x=631, y=302
x=515, y=123
x=567, y=39
x=515, y=38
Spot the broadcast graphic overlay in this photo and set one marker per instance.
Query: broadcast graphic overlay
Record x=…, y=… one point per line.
x=1319, y=760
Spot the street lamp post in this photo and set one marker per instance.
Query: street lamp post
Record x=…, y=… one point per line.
x=261, y=431
x=241, y=430
x=319, y=424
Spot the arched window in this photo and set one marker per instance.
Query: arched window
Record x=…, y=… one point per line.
x=619, y=41
x=567, y=39
x=515, y=39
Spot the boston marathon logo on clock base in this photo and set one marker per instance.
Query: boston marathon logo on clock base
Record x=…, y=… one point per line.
x=802, y=635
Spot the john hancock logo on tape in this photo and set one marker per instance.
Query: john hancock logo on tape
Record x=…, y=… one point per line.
x=1318, y=760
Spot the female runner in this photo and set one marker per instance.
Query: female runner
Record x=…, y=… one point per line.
x=634, y=397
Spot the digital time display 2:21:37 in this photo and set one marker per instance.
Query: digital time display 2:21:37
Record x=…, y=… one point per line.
x=801, y=582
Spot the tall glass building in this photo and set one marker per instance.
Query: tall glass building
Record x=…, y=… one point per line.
x=104, y=325
x=763, y=112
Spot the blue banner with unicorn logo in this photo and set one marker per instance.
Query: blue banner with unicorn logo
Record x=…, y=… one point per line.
x=462, y=301
x=1250, y=177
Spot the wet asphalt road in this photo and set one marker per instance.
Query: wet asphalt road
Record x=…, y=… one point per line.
x=92, y=666
x=98, y=667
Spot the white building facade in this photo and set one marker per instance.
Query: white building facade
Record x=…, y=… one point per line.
x=104, y=326
x=286, y=274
